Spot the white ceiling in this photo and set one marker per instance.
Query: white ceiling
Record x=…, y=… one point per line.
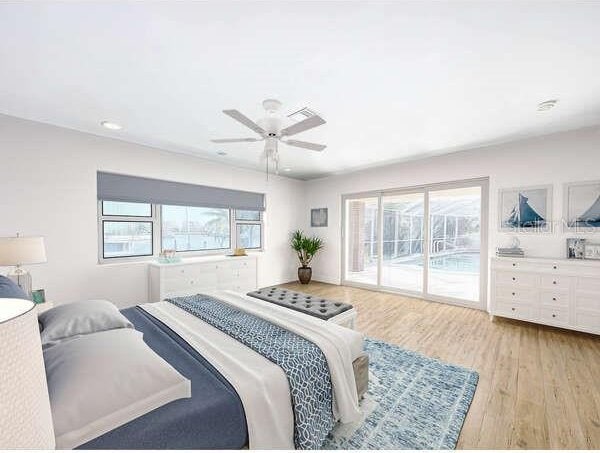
x=395, y=81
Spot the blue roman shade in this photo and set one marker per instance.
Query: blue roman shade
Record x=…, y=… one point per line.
x=116, y=187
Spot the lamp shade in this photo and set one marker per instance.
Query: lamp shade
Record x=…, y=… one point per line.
x=25, y=416
x=19, y=250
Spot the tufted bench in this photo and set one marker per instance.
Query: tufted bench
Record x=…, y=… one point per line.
x=319, y=307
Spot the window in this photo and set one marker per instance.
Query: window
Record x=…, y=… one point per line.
x=248, y=229
x=247, y=215
x=134, y=231
x=188, y=229
x=127, y=229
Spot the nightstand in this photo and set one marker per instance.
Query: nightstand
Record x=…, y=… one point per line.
x=41, y=308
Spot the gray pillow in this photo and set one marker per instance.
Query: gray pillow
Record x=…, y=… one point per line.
x=9, y=289
x=101, y=381
x=80, y=318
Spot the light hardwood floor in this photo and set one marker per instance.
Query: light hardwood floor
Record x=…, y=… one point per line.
x=539, y=387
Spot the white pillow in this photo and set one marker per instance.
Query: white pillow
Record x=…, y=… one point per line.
x=80, y=318
x=100, y=381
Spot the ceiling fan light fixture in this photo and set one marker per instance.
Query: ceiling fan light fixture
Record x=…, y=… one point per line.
x=269, y=128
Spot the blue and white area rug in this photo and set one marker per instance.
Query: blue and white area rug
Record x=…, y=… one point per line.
x=414, y=402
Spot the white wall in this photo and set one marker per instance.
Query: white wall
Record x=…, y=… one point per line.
x=552, y=159
x=48, y=188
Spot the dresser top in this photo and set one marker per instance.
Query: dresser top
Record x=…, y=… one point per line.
x=546, y=260
x=203, y=259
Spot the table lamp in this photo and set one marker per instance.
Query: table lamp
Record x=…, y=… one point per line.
x=19, y=250
x=25, y=415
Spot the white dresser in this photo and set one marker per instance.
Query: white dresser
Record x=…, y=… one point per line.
x=557, y=292
x=196, y=275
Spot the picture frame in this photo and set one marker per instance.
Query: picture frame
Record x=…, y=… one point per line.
x=525, y=209
x=575, y=248
x=318, y=217
x=591, y=251
x=581, y=207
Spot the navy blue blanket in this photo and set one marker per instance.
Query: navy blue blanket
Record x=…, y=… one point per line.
x=304, y=363
x=213, y=418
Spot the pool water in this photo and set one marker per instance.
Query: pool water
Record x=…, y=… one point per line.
x=455, y=262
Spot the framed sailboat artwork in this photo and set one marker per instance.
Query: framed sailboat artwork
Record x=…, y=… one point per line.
x=525, y=209
x=582, y=207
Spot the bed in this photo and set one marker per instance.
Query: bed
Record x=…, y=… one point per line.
x=238, y=397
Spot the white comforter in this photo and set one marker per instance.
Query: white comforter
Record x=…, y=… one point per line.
x=262, y=386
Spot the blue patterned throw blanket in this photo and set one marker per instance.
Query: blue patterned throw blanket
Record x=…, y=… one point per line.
x=302, y=361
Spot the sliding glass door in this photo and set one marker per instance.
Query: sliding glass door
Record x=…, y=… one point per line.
x=403, y=226
x=426, y=241
x=455, y=243
x=361, y=244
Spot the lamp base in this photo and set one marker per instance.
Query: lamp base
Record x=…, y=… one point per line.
x=22, y=278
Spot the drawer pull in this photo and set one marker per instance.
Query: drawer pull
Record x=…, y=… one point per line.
x=553, y=315
x=514, y=279
x=554, y=282
x=514, y=294
x=554, y=299
x=514, y=264
x=555, y=267
x=513, y=308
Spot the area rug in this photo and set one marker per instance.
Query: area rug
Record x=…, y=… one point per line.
x=414, y=402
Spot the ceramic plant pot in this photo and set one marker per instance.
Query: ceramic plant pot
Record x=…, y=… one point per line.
x=304, y=275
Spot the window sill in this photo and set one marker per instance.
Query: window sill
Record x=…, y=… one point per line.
x=184, y=258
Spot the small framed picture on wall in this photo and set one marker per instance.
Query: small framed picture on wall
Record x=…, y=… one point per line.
x=525, y=209
x=591, y=251
x=318, y=217
x=582, y=207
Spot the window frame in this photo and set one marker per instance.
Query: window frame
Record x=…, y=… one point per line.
x=153, y=219
x=156, y=224
x=258, y=223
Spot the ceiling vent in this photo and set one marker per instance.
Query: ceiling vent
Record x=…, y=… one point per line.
x=301, y=114
x=547, y=105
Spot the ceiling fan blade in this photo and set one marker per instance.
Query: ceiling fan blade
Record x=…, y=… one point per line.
x=244, y=120
x=235, y=140
x=307, y=145
x=303, y=125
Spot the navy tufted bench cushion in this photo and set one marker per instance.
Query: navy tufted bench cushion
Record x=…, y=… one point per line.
x=305, y=303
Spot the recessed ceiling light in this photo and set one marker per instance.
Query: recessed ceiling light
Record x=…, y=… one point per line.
x=287, y=169
x=547, y=105
x=110, y=125
x=221, y=153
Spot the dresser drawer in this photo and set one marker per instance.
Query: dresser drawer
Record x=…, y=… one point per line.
x=554, y=315
x=190, y=270
x=589, y=321
x=244, y=273
x=555, y=298
x=586, y=284
x=516, y=278
x=514, y=310
x=555, y=281
x=587, y=302
x=516, y=294
x=206, y=281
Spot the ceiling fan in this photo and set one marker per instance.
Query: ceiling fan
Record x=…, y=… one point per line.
x=270, y=130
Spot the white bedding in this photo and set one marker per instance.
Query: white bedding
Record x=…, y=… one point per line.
x=262, y=386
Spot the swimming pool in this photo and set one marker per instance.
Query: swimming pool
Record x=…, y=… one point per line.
x=455, y=262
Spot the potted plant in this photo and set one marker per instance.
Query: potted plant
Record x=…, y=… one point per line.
x=306, y=248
